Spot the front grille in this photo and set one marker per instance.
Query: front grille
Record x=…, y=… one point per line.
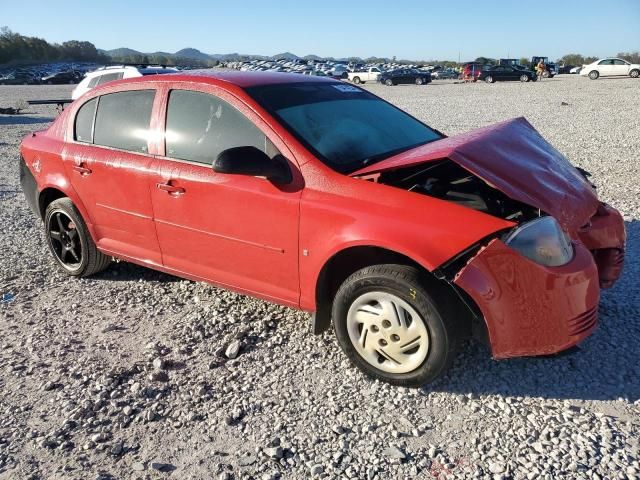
x=583, y=322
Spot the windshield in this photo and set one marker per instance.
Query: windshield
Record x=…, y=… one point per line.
x=344, y=126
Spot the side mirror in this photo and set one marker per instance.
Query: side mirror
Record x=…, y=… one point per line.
x=254, y=162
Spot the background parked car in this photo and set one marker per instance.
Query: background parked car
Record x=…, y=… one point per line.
x=405, y=76
x=365, y=75
x=564, y=69
x=117, y=72
x=610, y=67
x=499, y=73
x=472, y=70
x=62, y=78
x=575, y=70
x=444, y=74
x=18, y=78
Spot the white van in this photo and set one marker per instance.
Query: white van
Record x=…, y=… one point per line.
x=116, y=72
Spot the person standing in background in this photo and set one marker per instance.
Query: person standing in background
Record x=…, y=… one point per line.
x=540, y=68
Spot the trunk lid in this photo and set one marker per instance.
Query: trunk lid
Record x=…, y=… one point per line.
x=512, y=157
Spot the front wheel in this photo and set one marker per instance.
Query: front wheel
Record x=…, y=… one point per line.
x=634, y=73
x=70, y=242
x=388, y=82
x=594, y=75
x=489, y=79
x=356, y=79
x=524, y=78
x=390, y=328
x=419, y=81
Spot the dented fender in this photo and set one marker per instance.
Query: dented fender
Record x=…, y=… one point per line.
x=530, y=309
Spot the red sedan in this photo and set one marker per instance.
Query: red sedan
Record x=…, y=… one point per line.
x=319, y=195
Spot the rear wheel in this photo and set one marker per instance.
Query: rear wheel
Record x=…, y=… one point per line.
x=390, y=327
x=524, y=78
x=634, y=73
x=388, y=82
x=489, y=79
x=70, y=242
x=594, y=75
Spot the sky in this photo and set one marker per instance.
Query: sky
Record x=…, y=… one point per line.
x=407, y=29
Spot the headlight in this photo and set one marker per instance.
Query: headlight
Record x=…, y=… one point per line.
x=543, y=241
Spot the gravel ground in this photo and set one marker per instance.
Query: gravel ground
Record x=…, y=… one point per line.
x=126, y=375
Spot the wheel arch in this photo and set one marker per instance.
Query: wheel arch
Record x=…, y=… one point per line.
x=350, y=259
x=52, y=192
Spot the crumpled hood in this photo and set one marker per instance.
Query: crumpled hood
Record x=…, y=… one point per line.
x=514, y=158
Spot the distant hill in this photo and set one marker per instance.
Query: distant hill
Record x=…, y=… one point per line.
x=192, y=53
x=122, y=52
x=286, y=56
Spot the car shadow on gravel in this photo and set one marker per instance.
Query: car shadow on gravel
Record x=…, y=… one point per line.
x=604, y=367
x=23, y=120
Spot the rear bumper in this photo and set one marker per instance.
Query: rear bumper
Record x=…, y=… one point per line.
x=530, y=309
x=29, y=187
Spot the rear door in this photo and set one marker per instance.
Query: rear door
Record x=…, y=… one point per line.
x=108, y=163
x=234, y=230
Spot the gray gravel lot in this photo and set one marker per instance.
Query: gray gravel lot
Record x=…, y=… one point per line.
x=123, y=375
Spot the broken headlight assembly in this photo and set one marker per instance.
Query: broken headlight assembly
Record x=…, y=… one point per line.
x=542, y=241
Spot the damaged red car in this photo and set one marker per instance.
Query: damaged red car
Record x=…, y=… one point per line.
x=319, y=195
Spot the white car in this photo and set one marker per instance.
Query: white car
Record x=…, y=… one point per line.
x=116, y=72
x=609, y=67
x=575, y=70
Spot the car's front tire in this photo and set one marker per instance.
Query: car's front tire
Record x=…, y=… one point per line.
x=489, y=79
x=69, y=240
x=593, y=75
x=419, y=81
x=635, y=73
x=390, y=327
x=524, y=78
x=388, y=82
x=356, y=80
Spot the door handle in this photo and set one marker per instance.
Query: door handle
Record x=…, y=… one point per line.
x=82, y=170
x=170, y=189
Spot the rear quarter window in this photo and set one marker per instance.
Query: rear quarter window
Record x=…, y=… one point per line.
x=83, y=127
x=123, y=120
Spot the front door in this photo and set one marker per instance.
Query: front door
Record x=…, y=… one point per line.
x=234, y=230
x=109, y=167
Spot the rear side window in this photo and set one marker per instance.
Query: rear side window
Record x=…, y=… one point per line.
x=123, y=120
x=200, y=126
x=84, y=122
x=109, y=77
x=93, y=82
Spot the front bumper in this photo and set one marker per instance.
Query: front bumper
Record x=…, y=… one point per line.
x=530, y=309
x=605, y=237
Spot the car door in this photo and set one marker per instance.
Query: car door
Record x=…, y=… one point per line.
x=107, y=162
x=619, y=67
x=233, y=230
x=605, y=67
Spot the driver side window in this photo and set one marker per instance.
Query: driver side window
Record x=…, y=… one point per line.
x=200, y=126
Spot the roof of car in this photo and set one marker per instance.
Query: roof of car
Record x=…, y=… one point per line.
x=240, y=79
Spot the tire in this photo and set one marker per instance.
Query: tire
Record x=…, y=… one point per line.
x=419, y=81
x=356, y=80
x=489, y=79
x=593, y=75
x=412, y=310
x=634, y=73
x=546, y=74
x=64, y=226
x=524, y=78
x=388, y=82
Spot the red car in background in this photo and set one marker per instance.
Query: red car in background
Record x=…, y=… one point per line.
x=316, y=194
x=472, y=70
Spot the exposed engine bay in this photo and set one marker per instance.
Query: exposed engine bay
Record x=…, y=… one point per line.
x=448, y=181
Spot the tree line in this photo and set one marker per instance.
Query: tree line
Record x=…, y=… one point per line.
x=19, y=48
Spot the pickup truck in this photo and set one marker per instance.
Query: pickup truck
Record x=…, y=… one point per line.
x=368, y=75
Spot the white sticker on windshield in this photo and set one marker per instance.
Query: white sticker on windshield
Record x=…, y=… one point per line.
x=347, y=88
